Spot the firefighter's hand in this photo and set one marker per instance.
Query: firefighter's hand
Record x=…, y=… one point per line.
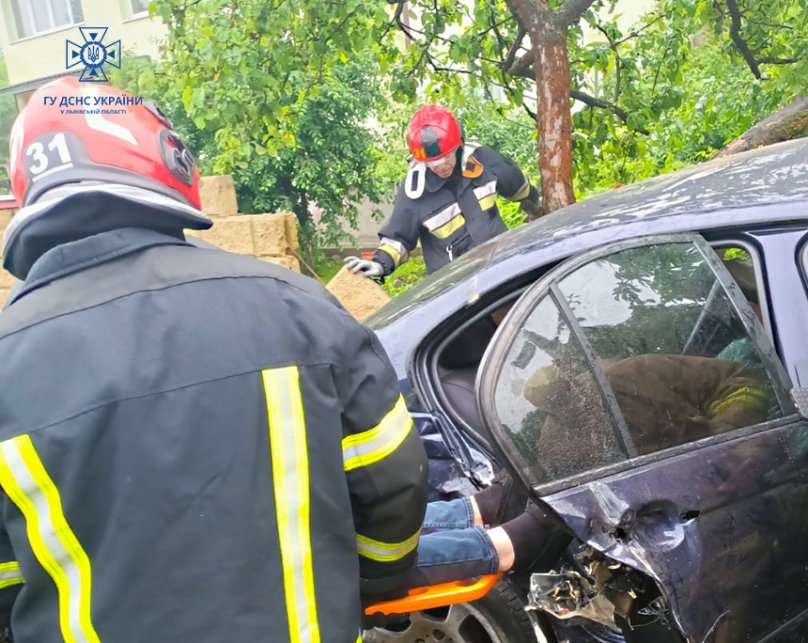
x=531, y=208
x=364, y=267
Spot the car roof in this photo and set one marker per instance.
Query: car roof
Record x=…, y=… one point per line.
x=768, y=175
x=760, y=186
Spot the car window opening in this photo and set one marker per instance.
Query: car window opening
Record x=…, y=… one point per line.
x=459, y=361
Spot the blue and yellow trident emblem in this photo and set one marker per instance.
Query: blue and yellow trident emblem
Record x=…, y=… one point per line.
x=93, y=54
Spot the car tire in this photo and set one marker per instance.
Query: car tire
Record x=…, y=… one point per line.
x=498, y=617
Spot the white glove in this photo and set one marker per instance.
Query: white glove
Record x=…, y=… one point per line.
x=364, y=267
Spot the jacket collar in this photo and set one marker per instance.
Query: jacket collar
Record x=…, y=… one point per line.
x=75, y=211
x=71, y=257
x=467, y=168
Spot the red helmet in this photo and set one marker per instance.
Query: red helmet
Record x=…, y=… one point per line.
x=135, y=147
x=433, y=133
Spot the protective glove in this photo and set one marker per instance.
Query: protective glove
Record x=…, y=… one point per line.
x=531, y=208
x=531, y=204
x=364, y=267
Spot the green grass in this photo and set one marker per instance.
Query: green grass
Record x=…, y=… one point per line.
x=405, y=277
x=327, y=267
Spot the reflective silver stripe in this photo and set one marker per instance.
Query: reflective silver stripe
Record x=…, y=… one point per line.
x=368, y=447
x=29, y=486
x=521, y=193
x=51, y=199
x=386, y=552
x=400, y=247
x=290, y=474
x=396, y=244
x=442, y=218
x=53, y=170
x=10, y=574
x=485, y=190
x=104, y=125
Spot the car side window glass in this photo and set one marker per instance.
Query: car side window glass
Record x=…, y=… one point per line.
x=549, y=404
x=671, y=345
x=742, y=267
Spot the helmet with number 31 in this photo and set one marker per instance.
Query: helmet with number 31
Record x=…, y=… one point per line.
x=95, y=149
x=75, y=133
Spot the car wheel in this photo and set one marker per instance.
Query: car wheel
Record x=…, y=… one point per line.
x=498, y=617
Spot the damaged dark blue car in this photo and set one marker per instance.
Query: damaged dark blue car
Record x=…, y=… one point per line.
x=634, y=361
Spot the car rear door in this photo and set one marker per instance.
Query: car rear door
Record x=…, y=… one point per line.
x=634, y=390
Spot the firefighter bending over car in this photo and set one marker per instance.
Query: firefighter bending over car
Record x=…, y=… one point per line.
x=448, y=199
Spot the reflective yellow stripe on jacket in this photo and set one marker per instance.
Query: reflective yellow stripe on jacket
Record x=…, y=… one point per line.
x=397, y=251
x=446, y=222
x=486, y=194
x=290, y=473
x=28, y=485
x=10, y=574
x=366, y=448
x=521, y=193
x=748, y=396
x=386, y=552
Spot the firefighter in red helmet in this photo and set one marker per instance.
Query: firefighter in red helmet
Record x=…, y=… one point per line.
x=448, y=199
x=195, y=445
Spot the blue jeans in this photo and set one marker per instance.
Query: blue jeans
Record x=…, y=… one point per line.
x=451, y=547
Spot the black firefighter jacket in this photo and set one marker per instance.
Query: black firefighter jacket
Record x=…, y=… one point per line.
x=196, y=447
x=452, y=215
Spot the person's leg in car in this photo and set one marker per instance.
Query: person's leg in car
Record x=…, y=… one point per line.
x=455, y=544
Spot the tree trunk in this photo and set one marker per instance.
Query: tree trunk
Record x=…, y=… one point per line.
x=784, y=125
x=553, y=117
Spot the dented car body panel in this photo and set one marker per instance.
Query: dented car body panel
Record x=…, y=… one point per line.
x=698, y=525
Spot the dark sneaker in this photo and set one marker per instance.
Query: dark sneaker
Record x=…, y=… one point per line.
x=501, y=501
x=539, y=539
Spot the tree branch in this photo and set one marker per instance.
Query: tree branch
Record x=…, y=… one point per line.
x=592, y=101
x=452, y=70
x=637, y=32
x=569, y=13
x=771, y=24
x=769, y=60
x=618, y=63
x=397, y=19
x=511, y=56
x=498, y=35
x=740, y=43
x=658, y=69
x=523, y=68
x=784, y=125
x=495, y=25
x=508, y=62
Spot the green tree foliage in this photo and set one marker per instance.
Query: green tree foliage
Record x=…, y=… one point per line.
x=666, y=92
x=678, y=88
x=307, y=102
x=8, y=112
x=280, y=94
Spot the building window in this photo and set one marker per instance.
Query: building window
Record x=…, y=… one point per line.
x=38, y=16
x=139, y=6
